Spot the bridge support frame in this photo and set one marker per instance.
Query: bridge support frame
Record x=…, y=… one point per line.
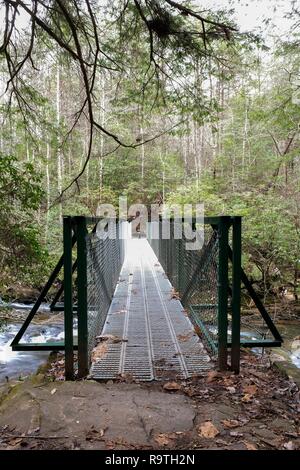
x=75, y=230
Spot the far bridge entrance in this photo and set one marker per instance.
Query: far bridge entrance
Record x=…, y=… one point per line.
x=149, y=307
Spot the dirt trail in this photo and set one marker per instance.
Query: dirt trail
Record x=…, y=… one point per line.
x=259, y=409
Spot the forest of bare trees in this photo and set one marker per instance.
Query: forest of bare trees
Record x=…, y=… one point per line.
x=161, y=101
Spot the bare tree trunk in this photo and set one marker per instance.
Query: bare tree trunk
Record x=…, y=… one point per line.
x=296, y=274
x=48, y=190
x=245, y=134
x=69, y=163
x=212, y=129
x=59, y=157
x=195, y=145
x=162, y=159
x=182, y=143
x=102, y=122
x=141, y=137
x=233, y=158
x=87, y=174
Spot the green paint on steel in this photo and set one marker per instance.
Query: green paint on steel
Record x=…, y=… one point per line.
x=49, y=346
x=68, y=298
x=223, y=229
x=236, y=293
x=201, y=278
x=83, y=361
x=40, y=298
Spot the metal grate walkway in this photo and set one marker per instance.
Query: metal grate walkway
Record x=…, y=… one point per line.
x=147, y=334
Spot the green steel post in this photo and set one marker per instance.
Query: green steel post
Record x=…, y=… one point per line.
x=223, y=292
x=68, y=300
x=83, y=361
x=40, y=299
x=236, y=293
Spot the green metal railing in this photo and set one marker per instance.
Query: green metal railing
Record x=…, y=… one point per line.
x=91, y=267
x=99, y=261
x=208, y=282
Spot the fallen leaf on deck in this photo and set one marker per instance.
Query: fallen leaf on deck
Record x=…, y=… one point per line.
x=208, y=430
x=289, y=445
x=250, y=445
x=111, y=339
x=110, y=445
x=250, y=389
x=126, y=378
x=15, y=442
x=222, y=442
x=94, y=434
x=162, y=439
x=185, y=337
x=228, y=382
x=246, y=398
x=33, y=445
x=175, y=294
x=99, y=351
x=171, y=386
x=212, y=376
x=197, y=330
x=230, y=423
x=119, y=340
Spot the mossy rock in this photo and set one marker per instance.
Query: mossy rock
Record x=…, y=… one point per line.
x=39, y=379
x=44, y=368
x=288, y=371
x=9, y=391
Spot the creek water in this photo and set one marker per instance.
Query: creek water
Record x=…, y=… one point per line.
x=48, y=327
x=290, y=350
x=16, y=364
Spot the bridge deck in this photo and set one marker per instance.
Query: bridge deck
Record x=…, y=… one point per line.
x=147, y=333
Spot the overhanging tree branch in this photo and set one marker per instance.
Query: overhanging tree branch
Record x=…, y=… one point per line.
x=74, y=28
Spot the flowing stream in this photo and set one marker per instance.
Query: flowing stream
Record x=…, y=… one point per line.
x=15, y=364
x=47, y=327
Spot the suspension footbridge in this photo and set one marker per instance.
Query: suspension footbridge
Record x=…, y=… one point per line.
x=150, y=308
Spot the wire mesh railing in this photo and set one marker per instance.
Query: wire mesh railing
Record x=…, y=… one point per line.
x=104, y=260
x=200, y=277
x=208, y=281
x=194, y=275
x=208, y=285
x=99, y=260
